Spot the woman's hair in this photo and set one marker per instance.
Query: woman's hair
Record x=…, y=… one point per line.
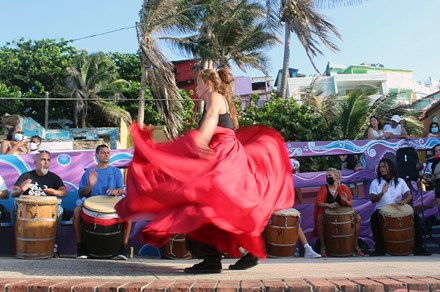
x=336, y=173
x=351, y=161
x=432, y=124
x=10, y=135
x=379, y=124
x=222, y=81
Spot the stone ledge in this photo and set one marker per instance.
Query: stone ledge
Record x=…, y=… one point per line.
x=383, y=283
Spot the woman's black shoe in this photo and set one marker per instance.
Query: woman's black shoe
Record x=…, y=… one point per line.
x=245, y=262
x=205, y=268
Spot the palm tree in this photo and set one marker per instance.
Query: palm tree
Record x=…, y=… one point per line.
x=231, y=31
x=300, y=17
x=91, y=82
x=157, y=71
x=348, y=117
x=311, y=28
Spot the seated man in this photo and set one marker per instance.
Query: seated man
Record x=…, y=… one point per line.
x=102, y=179
x=395, y=130
x=387, y=188
x=41, y=182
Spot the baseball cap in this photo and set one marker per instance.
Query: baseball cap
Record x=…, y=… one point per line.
x=295, y=164
x=396, y=118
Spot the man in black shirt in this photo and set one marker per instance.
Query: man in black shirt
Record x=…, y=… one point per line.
x=40, y=182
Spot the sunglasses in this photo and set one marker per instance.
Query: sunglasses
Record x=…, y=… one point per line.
x=43, y=151
x=19, y=132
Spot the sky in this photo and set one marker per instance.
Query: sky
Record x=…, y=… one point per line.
x=400, y=34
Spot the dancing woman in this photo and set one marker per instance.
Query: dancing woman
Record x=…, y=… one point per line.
x=214, y=184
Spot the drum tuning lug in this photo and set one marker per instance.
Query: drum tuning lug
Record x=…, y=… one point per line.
x=36, y=215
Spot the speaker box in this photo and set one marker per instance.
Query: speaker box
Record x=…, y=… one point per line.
x=406, y=162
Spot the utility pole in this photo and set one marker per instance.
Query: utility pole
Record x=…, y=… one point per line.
x=46, y=110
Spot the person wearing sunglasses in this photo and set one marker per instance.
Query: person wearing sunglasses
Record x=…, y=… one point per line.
x=15, y=142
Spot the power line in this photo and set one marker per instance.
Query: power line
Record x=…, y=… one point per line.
x=99, y=34
x=90, y=99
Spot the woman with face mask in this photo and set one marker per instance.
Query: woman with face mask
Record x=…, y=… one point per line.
x=15, y=143
x=333, y=195
x=433, y=130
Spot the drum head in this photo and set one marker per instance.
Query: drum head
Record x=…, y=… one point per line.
x=396, y=210
x=102, y=204
x=288, y=212
x=38, y=200
x=340, y=211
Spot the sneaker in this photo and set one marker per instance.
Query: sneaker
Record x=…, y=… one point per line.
x=205, y=268
x=80, y=252
x=245, y=262
x=55, y=251
x=123, y=253
x=310, y=253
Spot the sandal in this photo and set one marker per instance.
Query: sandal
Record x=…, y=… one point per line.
x=324, y=253
x=359, y=252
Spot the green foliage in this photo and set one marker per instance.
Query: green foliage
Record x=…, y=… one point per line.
x=10, y=101
x=128, y=66
x=295, y=123
x=35, y=66
x=353, y=112
x=31, y=68
x=131, y=104
x=92, y=83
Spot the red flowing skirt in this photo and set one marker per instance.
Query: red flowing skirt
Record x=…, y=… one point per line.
x=225, y=199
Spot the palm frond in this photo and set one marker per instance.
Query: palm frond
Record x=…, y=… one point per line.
x=311, y=28
x=111, y=111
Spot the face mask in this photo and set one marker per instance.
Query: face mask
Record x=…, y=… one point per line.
x=330, y=181
x=434, y=130
x=18, y=137
x=33, y=146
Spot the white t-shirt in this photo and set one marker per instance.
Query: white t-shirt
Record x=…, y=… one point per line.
x=395, y=131
x=2, y=184
x=393, y=194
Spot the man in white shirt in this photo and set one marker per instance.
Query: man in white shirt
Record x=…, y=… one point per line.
x=387, y=188
x=395, y=129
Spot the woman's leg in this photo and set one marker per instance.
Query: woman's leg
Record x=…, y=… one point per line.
x=320, y=227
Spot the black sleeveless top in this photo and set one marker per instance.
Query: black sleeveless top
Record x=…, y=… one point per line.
x=224, y=120
x=331, y=199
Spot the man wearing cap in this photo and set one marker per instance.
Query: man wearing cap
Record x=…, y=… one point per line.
x=395, y=129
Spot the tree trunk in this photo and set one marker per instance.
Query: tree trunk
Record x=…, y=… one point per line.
x=84, y=116
x=285, y=73
x=75, y=112
x=141, y=109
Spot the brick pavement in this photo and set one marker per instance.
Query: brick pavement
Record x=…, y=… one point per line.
x=384, y=283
